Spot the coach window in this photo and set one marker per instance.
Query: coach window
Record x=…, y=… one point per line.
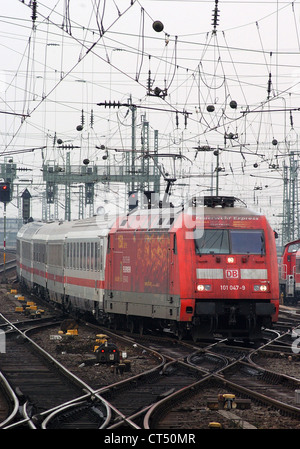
x=67, y=255
x=73, y=255
x=88, y=252
x=84, y=256
x=92, y=256
x=70, y=254
x=26, y=250
x=76, y=255
x=101, y=255
x=81, y=255
x=96, y=255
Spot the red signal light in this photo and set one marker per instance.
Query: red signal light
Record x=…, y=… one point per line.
x=5, y=192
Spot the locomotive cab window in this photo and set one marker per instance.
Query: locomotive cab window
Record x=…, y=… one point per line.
x=247, y=241
x=293, y=248
x=224, y=241
x=212, y=241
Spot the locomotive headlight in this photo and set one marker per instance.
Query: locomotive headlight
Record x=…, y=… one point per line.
x=203, y=287
x=230, y=259
x=261, y=288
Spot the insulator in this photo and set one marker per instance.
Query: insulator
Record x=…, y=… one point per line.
x=291, y=120
x=233, y=104
x=210, y=108
x=269, y=84
x=215, y=16
x=34, y=7
x=149, y=82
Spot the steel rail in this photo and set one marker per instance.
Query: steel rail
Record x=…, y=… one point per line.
x=219, y=376
x=61, y=368
x=13, y=397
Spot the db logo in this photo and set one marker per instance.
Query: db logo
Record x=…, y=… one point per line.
x=296, y=333
x=232, y=274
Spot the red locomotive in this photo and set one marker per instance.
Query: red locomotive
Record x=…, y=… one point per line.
x=198, y=270
x=289, y=277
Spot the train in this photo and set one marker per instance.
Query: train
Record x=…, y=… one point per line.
x=204, y=269
x=289, y=273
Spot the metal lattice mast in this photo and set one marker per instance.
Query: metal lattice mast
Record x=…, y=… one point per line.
x=290, y=221
x=68, y=189
x=81, y=202
x=145, y=153
x=130, y=160
x=286, y=207
x=156, y=183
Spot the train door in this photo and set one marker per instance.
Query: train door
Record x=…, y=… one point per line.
x=171, y=265
x=108, y=271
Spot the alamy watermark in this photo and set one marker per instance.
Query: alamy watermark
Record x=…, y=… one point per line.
x=296, y=342
x=159, y=216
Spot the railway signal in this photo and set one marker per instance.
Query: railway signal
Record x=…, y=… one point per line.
x=5, y=192
x=26, y=199
x=5, y=197
x=133, y=199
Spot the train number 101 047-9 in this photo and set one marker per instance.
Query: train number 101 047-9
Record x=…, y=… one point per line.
x=226, y=287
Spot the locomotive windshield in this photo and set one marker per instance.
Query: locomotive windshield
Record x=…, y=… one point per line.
x=229, y=241
x=213, y=241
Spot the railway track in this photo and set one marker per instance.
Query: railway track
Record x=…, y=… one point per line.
x=130, y=398
x=185, y=378
x=266, y=391
x=7, y=270
x=134, y=398
x=39, y=381
x=140, y=400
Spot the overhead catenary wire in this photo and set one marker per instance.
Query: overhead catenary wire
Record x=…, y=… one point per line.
x=220, y=126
